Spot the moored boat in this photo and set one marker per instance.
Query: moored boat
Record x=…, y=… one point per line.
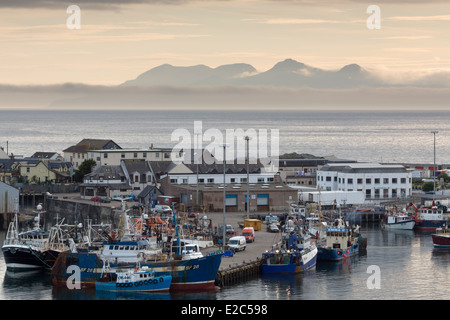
x=293, y=255
x=398, y=222
x=441, y=239
x=428, y=218
x=341, y=243
x=133, y=280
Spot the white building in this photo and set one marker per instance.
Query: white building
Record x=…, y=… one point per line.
x=113, y=157
x=377, y=181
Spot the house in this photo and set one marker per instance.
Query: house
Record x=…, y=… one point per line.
x=129, y=178
x=8, y=171
x=76, y=154
x=377, y=181
x=302, y=172
x=115, y=156
x=44, y=171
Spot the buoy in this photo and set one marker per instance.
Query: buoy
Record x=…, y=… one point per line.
x=344, y=256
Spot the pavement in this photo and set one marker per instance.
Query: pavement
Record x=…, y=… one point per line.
x=263, y=239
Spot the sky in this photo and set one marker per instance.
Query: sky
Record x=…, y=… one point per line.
x=118, y=40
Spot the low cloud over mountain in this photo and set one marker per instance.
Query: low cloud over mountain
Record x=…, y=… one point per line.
x=289, y=84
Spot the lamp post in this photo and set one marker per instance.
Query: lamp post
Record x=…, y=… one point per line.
x=434, y=163
x=196, y=195
x=224, y=197
x=247, y=138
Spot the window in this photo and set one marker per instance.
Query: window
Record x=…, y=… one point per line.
x=403, y=180
x=386, y=180
x=210, y=180
x=105, y=156
x=144, y=154
x=136, y=178
x=394, y=180
x=122, y=155
x=260, y=179
x=135, y=155
x=377, y=180
x=166, y=155
x=360, y=181
x=232, y=180
x=201, y=180
x=328, y=178
x=350, y=181
x=368, y=181
x=173, y=181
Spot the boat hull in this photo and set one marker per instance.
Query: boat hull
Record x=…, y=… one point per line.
x=441, y=241
x=22, y=258
x=336, y=254
x=429, y=225
x=158, y=284
x=402, y=225
x=308, y=263
x=194, y=274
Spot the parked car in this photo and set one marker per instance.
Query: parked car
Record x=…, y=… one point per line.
x=105, y=199
x=228, y=230
x=95, y=198
x=249, y=234
x=160, y=208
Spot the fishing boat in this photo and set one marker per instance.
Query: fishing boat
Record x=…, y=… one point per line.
x=398, y=222
x=139, y=279
x=132, y=248
x=341, y=243
x=428, y=218
x=441, y=239
x=293, y=255
x=24, y=250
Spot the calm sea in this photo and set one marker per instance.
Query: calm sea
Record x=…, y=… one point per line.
x=377, y=136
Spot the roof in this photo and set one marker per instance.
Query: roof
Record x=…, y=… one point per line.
x=44, y=155
x=109, y=172
x=364, y=168
x=92, y=144
x=309, y=162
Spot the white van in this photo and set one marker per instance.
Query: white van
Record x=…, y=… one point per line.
x=237, y=243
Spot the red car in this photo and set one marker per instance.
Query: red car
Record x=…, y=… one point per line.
x=192, y=215
x=95, y=199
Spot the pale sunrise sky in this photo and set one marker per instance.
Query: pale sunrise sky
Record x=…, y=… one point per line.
x=118, y=42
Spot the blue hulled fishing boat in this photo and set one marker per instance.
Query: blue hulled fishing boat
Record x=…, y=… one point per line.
x=293, y=255
x=341, y=242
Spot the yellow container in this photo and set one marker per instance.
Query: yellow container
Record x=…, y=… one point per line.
x=255, y=223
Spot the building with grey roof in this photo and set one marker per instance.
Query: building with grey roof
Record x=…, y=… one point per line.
x=377, y=181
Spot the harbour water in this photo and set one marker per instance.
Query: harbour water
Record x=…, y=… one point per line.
x=408, y=265
x=375, y=136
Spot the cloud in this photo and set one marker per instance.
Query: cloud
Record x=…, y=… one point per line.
x=80, y=96
x=90, y=4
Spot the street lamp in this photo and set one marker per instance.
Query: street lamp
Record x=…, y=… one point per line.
x=224, y=196
x=434, y=163
x=247, y=138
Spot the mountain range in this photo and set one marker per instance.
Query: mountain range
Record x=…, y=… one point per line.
x=287, y=73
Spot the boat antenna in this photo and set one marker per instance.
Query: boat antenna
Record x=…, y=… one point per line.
x=176, y=230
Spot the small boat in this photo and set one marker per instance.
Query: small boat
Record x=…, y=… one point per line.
x=133, y=280
x=293, y=255
x=398, y=222
x=441, y=239
x=342, y=242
